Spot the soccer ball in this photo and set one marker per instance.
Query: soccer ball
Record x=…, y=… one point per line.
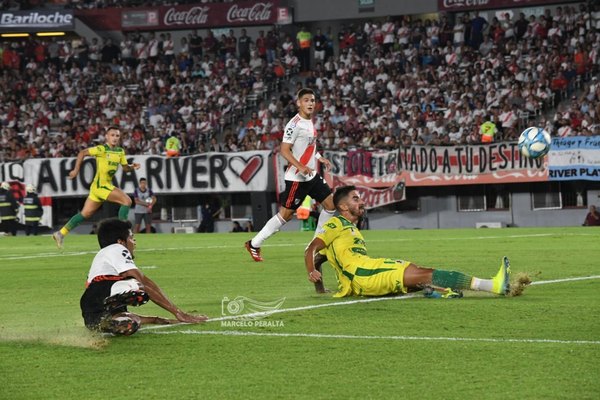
x=534, y=142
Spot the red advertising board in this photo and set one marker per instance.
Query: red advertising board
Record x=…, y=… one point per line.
x=469, y=5
x=189, y=16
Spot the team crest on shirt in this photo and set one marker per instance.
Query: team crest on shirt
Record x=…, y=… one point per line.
x=288, y=132
x=127, y=256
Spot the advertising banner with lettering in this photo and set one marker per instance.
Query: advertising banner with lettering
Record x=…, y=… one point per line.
x=574, y=158
x=467, y=165
x=209, y=172
x=37, y=20
x=436, y=166
x=469, y=5
x=363, y=168
x=188, y=16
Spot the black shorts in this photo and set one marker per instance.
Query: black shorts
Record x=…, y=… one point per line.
x=295, y=192
x=92, y=303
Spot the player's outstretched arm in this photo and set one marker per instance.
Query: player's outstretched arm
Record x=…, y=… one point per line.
x=80, y=156
x=160, y=298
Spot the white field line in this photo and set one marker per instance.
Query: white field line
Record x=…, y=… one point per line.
x=59, y=253
x=367, y=337
x=286, y=310
x=340, y=303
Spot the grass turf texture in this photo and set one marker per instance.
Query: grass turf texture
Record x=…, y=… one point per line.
x=46, y=353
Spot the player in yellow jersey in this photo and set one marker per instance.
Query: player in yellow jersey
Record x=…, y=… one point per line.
x=360, y=275
x=108, y=158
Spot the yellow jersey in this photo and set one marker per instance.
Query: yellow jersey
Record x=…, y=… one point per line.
x=346, y=251
x=356, y=272
x=107, y=163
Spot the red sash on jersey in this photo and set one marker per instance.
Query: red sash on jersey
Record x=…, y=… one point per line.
x=101, y=278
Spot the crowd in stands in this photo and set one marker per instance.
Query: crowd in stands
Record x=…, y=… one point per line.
x=380, y=84
x=83, y=4
x=92, y=4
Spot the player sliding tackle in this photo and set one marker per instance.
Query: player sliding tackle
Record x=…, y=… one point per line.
x=114, y=282
x=360, y=275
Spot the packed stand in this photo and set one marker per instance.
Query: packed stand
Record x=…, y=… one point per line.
x=405, y=82
x=58, y=95
x=381, y=85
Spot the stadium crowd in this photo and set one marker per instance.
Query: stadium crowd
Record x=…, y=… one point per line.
x=92, y=4
x=381, y=84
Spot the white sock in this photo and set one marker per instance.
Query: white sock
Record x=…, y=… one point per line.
x=323, y=217
x=485, y=285
x=271, y=227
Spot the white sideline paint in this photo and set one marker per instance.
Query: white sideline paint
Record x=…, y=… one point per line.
x=366, y=337
x=344, y=303
x=580, y=278
x=79, y=253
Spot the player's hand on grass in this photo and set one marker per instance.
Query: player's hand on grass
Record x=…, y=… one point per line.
x=164, y=321
x=314, y=276
x=190, y=318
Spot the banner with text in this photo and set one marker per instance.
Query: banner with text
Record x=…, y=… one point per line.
x=468, y=5
x=209, y=172
x=363, y=168
x=574, y=158
x=436, y=166
x=469, y=164
x=36, y=20
x=187, y=16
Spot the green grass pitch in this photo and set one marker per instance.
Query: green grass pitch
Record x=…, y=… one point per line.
x=544, y=344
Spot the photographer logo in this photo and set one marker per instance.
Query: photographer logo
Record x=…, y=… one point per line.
x=243, y=311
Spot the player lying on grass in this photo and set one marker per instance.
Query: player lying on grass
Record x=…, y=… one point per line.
x=114, y=282
x=360, y=275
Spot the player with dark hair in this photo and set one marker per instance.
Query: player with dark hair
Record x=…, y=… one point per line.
x=358, y=274
x=299, y=148
x=114, y=282
x=108, y=158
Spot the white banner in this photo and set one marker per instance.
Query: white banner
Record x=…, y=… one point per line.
x=208, y=172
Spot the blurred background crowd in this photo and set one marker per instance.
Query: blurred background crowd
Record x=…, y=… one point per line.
x=381, y=84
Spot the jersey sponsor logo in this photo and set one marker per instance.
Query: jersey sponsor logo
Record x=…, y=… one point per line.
x=330, y=225
x=127, y=256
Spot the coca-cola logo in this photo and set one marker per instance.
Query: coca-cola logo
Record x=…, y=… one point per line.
x=258, y=12
x=464, y=3
x=193, y=16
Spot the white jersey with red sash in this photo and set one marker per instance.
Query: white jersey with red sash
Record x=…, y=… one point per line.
x=301, y=134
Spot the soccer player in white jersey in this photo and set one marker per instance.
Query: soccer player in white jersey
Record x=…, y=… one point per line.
x=114, y=282
x=299, y=148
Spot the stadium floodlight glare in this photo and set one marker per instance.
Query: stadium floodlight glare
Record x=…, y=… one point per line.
x=50, y=34
x=9, y=35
